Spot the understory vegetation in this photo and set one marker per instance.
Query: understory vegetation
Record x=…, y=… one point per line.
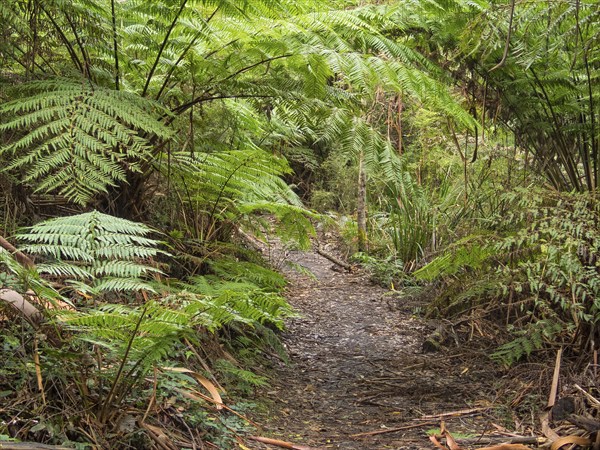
x=153, y=152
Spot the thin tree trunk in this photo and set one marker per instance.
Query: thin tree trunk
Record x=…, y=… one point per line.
x=361, y=206
x=399, y=123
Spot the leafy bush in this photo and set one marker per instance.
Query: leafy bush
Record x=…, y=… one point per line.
x=541, y=270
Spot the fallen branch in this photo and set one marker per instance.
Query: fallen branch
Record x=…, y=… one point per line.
x=24, y=307
x=506, y=440
x=21, y=257
x=278, y=443
x=585, y=423
x=30, y=446
x=460, y=412
x=333, y=259
x=393, y=430
x=507, y=447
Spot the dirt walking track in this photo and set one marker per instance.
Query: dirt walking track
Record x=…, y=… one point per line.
x=357, y=366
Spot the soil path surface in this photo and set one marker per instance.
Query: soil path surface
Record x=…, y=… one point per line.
x=357, y=366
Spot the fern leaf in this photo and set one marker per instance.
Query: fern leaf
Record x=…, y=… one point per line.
x=102, y=251
x=78, y=139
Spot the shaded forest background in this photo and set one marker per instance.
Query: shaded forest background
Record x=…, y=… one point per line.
x=147, y=146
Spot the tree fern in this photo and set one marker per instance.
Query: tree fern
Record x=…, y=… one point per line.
x=75, y=138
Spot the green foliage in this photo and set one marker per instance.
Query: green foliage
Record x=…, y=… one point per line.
x=132, y=341
x=387, y=272
x=225, y=302
x=556, y=247
x=111, y=347
x=76, y=138
x=238, y=175
x=243, y=379
x=229, y=186
x=540, y=270
x=240, y=271
x=470, y=252
x=100, y=253
x=339, y=175
x=535, y=337
x=545, y=83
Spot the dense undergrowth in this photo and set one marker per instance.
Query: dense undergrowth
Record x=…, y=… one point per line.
x=454, y=143
x=116, y=350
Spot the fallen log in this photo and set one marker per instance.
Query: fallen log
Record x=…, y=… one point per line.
x=333, y=259
x=23, y=306
x=30, y=446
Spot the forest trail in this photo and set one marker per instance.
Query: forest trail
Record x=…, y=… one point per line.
x=357, y=366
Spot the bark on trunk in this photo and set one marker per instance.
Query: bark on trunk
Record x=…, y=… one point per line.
x=361, y=213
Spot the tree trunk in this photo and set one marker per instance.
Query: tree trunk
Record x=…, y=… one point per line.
x=127, y=199
x=361, y=213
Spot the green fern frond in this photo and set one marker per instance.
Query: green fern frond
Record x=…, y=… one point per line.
x=470, y=252
x=220, y=303
x=233, y=185
x=229, y=269
x=103, y=252
x=149, y=333
x=531, y=339
x=241, y=375
x=78, y=139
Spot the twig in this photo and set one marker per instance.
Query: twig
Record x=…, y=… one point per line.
x=278, y=443
x=158, y=436
x=461, y=412
x=593, y=400
x=393, y=430
x=153, y=396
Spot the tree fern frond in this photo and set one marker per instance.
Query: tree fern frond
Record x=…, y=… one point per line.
x=78, y=138
x=103, y=251
x=229, y=269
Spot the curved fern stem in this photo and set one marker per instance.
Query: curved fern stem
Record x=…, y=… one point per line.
x=115, y=46
x=162, y=48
